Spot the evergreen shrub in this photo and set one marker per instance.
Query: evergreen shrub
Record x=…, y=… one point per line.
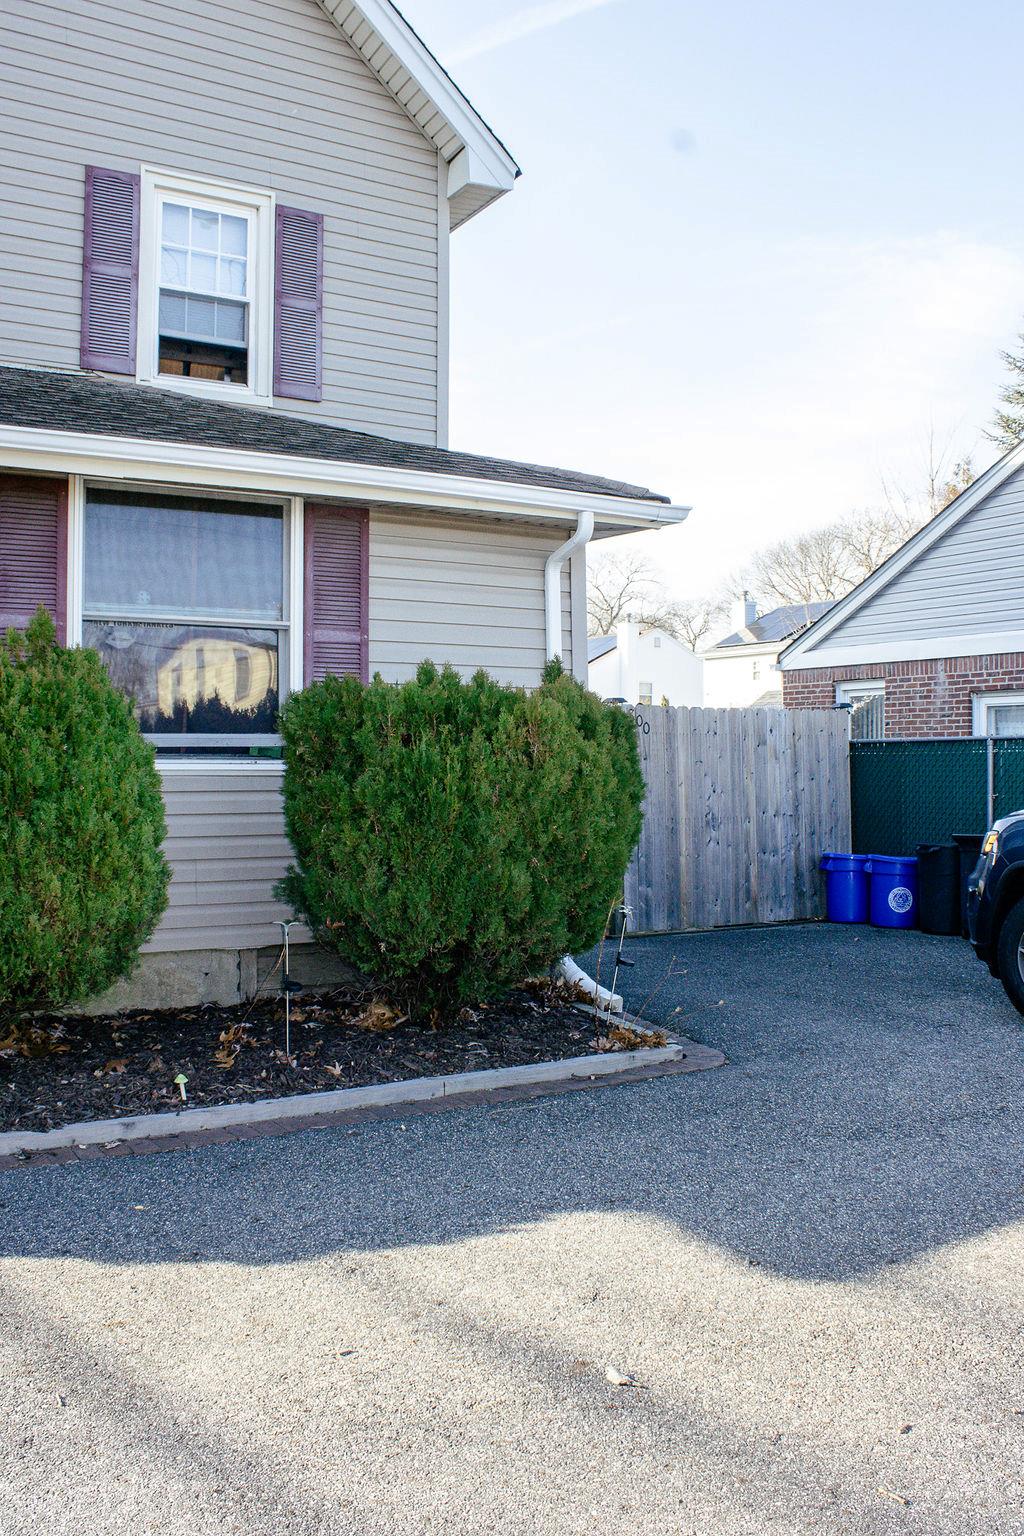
x=453, y=837
x=82, y=879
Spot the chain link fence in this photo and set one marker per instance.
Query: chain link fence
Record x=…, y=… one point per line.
x=908, y=792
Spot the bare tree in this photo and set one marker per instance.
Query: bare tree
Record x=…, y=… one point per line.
x=693, y=621
x=812, y=567
x=616, y=586
x=824, y=564
x=625, y=586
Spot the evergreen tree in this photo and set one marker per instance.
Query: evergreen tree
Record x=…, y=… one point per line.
x=82, y=879
x=452, y=838
x=1008, y=424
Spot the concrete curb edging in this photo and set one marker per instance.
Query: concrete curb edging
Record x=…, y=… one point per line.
x=310, y=1106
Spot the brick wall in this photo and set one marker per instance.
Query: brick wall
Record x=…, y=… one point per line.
x=922, y=698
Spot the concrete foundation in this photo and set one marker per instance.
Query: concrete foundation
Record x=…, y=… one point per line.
x=188, y=978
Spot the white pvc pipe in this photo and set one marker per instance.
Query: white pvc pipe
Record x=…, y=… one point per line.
x=580, y=536
x=568, y=968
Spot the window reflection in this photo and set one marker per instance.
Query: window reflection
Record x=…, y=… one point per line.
x=184, y=679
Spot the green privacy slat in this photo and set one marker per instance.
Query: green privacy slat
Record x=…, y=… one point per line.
x=1008, y=775
x=910, y=792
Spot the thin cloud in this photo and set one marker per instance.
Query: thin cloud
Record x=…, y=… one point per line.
x=534, y=18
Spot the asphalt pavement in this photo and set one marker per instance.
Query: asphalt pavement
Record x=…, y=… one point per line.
x=809, y=1262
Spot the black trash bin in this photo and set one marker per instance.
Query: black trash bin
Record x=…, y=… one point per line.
x=969, y=845
x=938, y=896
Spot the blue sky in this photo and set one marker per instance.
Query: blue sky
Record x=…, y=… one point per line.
x=758, y=251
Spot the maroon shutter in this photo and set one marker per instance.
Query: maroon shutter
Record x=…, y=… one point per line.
x=110, y=270
x=33, y=551
x=336, y=582
x=298, y=303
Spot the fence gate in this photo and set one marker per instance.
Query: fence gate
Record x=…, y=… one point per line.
x=741, y=804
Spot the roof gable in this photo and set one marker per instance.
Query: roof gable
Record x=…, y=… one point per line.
x=480, y=168
x=974, y=631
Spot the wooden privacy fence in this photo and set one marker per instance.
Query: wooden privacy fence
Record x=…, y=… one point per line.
x=741, y=804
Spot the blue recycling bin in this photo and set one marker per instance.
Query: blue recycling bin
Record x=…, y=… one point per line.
x=846, y=887
x=893, y=900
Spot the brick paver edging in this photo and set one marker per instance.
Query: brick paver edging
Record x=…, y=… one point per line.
x=316, y=1111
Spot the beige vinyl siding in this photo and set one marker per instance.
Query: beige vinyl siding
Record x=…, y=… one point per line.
x=461, y=591
x=465, y=591
x=970, y=582
x=263, y=92
x=227, y=846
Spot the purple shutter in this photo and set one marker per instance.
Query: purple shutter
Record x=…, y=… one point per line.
x=110, y=270
x=33, y=551
x=336, y=637
x=298, y=304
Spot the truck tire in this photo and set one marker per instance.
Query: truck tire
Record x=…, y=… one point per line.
x=1010, y=954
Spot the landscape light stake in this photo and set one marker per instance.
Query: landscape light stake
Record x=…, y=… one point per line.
x=287, y=986
x=622, y=915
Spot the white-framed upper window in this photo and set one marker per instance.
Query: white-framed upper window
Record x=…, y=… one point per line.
x=206, y=286
x=193, y=602
x=866, y=698
x=645, y=693
x=998, y=714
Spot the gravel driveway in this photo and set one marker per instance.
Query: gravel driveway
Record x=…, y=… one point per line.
x=811, y=1260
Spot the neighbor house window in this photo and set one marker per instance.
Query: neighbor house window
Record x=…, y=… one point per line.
x=867, y=708
x=998, y=714
x=645, y=692
x=205, y=286
x=186, y=600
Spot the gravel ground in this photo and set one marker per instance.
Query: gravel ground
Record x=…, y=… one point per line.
x=811, y=1260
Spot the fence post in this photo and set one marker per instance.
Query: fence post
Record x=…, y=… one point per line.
x=990, y=790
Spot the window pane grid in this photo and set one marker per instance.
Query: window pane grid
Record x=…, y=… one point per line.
x=213, y=260
x=203, y=297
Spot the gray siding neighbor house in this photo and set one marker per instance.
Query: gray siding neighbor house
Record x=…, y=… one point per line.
x=224, y=456
x=931, y=643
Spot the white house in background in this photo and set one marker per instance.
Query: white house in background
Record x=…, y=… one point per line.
x=643, y=666
x=741, y=671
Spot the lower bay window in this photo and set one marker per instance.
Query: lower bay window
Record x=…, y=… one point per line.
x=186, y=598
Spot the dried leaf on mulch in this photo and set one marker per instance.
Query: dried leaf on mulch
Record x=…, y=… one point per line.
x=623, y=1037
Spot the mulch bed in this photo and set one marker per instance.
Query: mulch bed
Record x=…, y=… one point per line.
x=56, y=1071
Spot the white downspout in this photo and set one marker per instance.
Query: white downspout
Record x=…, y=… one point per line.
x=581, y=535
x=578, y=539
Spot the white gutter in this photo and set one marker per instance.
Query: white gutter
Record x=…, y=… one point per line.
x=106, y=456
x=581, y=536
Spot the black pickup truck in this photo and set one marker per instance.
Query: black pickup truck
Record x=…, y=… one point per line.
x=995, y=904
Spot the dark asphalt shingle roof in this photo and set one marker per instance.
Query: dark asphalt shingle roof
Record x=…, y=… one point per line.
x=779, y=624
x=83, y=403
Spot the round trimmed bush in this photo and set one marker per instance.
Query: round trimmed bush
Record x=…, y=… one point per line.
x=82, y=879
x=453, y=837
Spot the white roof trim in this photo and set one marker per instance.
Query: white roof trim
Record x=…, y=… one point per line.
x=980, y=642
x=907, y=553
x=404, y=64
x=106, y=456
